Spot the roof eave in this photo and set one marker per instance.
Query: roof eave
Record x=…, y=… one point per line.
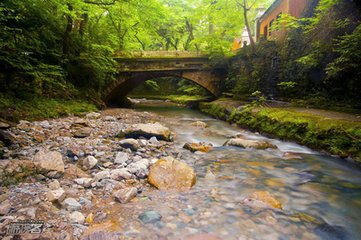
x=270, y=9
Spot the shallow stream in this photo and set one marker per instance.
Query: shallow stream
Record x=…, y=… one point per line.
x=320, y=194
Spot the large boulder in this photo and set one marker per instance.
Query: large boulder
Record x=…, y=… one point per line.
x=169, y=173
x=246, y=143
x=49, y=163
x=149, y=130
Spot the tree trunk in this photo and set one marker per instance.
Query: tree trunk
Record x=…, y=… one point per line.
x=245, y=10
x=68, y=29
x=83, y=24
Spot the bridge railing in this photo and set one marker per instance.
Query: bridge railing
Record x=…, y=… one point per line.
x=162, y=54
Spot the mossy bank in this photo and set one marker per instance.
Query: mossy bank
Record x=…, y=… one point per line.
x=341, y=137
x=35, y=107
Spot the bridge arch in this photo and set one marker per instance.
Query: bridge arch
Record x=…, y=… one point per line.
x=127, y=81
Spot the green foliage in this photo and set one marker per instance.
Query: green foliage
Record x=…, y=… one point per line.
x=33, y=108
x=152, y=85
x=319, y=55
x=348, y=63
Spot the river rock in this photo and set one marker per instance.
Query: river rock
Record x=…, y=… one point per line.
x=7, y=138
x=4, y=125
x=140, y=169
x=199, y=124
x=5, y=207
x=77, y=217
x=150, y=217
x=125, y=195
x=245, y=143
x=101, y=175
x=202, y=236
x=80, y=122
x=202, y=147
x=49, y=162
x=262, y=199
x=54, y=185
x=171, y=174
x=71, y=204
x=120, y=174
x=149, y=130
x=93, y=115
x=109, y=119
x=83, y=132
x=89, y=162
x=57, y=195
x=130, y=143
x=154, y=141
x=85, y=182
x=121, y=158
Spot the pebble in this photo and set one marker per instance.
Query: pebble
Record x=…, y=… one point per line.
x=150, y=217
x=125, y=195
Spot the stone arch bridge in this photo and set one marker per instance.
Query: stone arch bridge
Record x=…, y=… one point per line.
x=143, y=66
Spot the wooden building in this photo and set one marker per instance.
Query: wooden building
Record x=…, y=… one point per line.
x=264, y=29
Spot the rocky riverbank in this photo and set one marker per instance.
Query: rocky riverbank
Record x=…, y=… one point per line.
x=64, y=171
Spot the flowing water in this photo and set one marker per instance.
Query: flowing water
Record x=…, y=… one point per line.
x=320, y=194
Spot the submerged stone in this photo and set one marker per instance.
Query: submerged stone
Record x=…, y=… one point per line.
x=245, y=143
x=202, y=147
x=262, y=199
x=199, y=124
x=150, y=217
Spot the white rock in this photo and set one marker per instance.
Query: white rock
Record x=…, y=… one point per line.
x=90, y=162
x=71, y=204
x=44, y=124
x=101, y=175
x=139, y=169
x=85, y=182
x=93, y=115
x=77, y=217
x=121, y=158
x=109, y=119
x=144, y=161
x=120, y=174
x=154, y=141
x=143, y=142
